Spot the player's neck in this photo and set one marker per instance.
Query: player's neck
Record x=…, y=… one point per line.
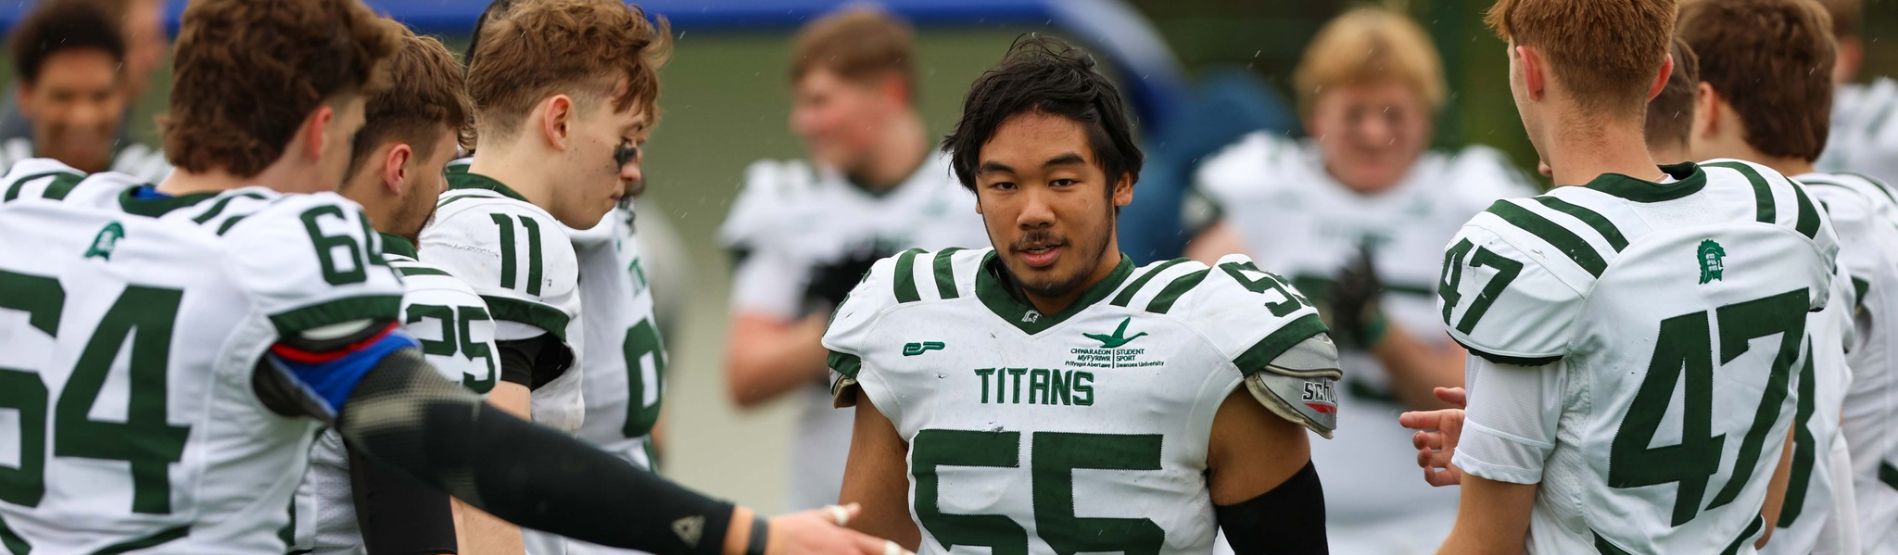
x=1579, y=153
x=514, y=166
x=902, y=150
x=217, y=180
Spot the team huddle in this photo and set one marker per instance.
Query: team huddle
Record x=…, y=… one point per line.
x=386, y=300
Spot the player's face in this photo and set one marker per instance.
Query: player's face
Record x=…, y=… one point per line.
x=426, y=181
x=75, y=107
x=604, y=172
x=1047, y=203
x=144, y=42
x=1370, y=134
x=339, y=137
x=838, y=119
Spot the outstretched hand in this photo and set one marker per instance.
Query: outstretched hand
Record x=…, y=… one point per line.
x=1436, y=438
x=822, y=532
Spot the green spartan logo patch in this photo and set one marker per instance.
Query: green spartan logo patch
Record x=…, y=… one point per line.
x=105, y=241
x=1712, y=261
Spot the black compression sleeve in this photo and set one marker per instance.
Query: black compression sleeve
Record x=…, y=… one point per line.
x=405, y=415
x=1289, y=520
x=397, y=513
x=517, y=362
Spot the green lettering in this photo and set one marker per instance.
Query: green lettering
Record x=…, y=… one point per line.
x=1058, y=387
x=1084, y=392
x=1017, y=373
x=1038, y=387
x=984, y=373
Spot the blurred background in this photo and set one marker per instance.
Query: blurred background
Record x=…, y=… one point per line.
x=726, y=102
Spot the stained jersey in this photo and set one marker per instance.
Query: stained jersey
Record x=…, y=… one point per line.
x=1864, y=132
x=457, y=339
x=1082, y=431
x=518, y=259
x=143, y=163
x=1865, y=214
x=1665, y=330
x=1297, y=220
x=137, y=323
x=792, y=221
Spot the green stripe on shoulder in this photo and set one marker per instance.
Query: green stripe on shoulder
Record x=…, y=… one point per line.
x=62, y=185
x=20, y=184
x=218, y=207
x=1766, y=209
x=1594, y=219
x=906, y=277
x=368, y=307
x=509, y=309
x=1171, y=294
x=1808, y=222
x=1274, y=344
x=1507, y=359
x=1570, y=244
x=1127, y=293
x=946, y=273
x=420, y=271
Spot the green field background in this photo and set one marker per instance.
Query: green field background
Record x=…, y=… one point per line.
x=725, y=106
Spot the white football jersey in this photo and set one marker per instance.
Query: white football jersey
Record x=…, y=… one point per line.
x=143, y=163
x=1668, y=322
x=457, y=338
x=1864, y=137
x=1298, y=220
x=518, y=258
x=134, y=327
x=789, y=223
x=1866, y=217
x=1079, y=431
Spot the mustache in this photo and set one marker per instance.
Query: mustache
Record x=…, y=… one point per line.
x=1037, y=239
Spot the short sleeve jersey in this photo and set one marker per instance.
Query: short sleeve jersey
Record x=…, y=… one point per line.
x=1672, y=318
x=1079, y=431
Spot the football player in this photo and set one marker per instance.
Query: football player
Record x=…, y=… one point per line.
x=143, y=26
x=1047, y=396
x=1589, y=338
x=1864, y=131
x=1357, y=217
x=409, y=133
x=69, y=65
x=181, y=341
x=802, y=233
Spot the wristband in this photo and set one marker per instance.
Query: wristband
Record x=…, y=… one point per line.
x=759, y=532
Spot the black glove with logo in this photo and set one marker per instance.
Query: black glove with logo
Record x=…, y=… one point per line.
x=1355, y=313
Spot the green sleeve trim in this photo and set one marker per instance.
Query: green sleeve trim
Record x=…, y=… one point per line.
x=906, y=277
x=1507, y=359
x=368, y=307
x=545, y=317
x=147, y=542
x=946, y=273
x=1570, y=244
x=62, y=185
x=1127, y=293
x=1766, y=210
x=1171, y=294
x=845, y=363
x=1595, y=220
x=20, y=184
x=1808, y=222
x=1266, y=350
x=419, y=271
x=1604, y=547
x=13, y=542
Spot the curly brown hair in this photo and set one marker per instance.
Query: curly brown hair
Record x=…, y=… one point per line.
x=588, y=49
x=1772, y=61
x=427, y=94
x=246, y=73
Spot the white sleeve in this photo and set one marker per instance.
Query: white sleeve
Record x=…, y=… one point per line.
x=1509, y=428
x=768, y=281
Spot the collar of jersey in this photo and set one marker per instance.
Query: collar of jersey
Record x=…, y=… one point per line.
x=145, y=200
x=1688, y=179
x=993, y=287
x=397, y=245
x=471, y=180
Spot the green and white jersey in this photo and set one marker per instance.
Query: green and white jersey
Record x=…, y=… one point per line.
x=1866, y=217
x=626, y=361
x=518, y=258
x=1295, y=218
x=1864, y=136
x=143, y=163
x=1080, y=431
x=797, y=229
x=457, y=339
x=1643, y=349
x=134, y=327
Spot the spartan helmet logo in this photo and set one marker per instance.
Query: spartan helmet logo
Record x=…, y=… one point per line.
x=105, y=241
x=1030, y=317
x=1712, y=261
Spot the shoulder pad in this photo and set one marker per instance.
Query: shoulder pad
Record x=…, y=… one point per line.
x=1300, y=385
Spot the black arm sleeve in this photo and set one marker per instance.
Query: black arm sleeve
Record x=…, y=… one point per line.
x=533, y=362
x=1289, y=520
x=397, y=513
x=406, y=416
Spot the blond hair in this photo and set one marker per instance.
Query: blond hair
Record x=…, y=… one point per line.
x=1369, y=46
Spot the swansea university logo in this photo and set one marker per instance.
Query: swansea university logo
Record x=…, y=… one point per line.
x=1713, y=261
x=107, y=239
x=1119, y=337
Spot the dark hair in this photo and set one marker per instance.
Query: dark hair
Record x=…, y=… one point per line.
x=60, y=25
x=494, y=11
x=1787, y=43
x=1045, y=75
x=430, y=96
x=1671, y=113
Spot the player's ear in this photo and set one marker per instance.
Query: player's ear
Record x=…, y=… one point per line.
x=1124, y=190
x=557, y=119
x=395, y=167
x=316, y=129
x=1530, y=63
x=1706, y=111
x=1667, y=69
